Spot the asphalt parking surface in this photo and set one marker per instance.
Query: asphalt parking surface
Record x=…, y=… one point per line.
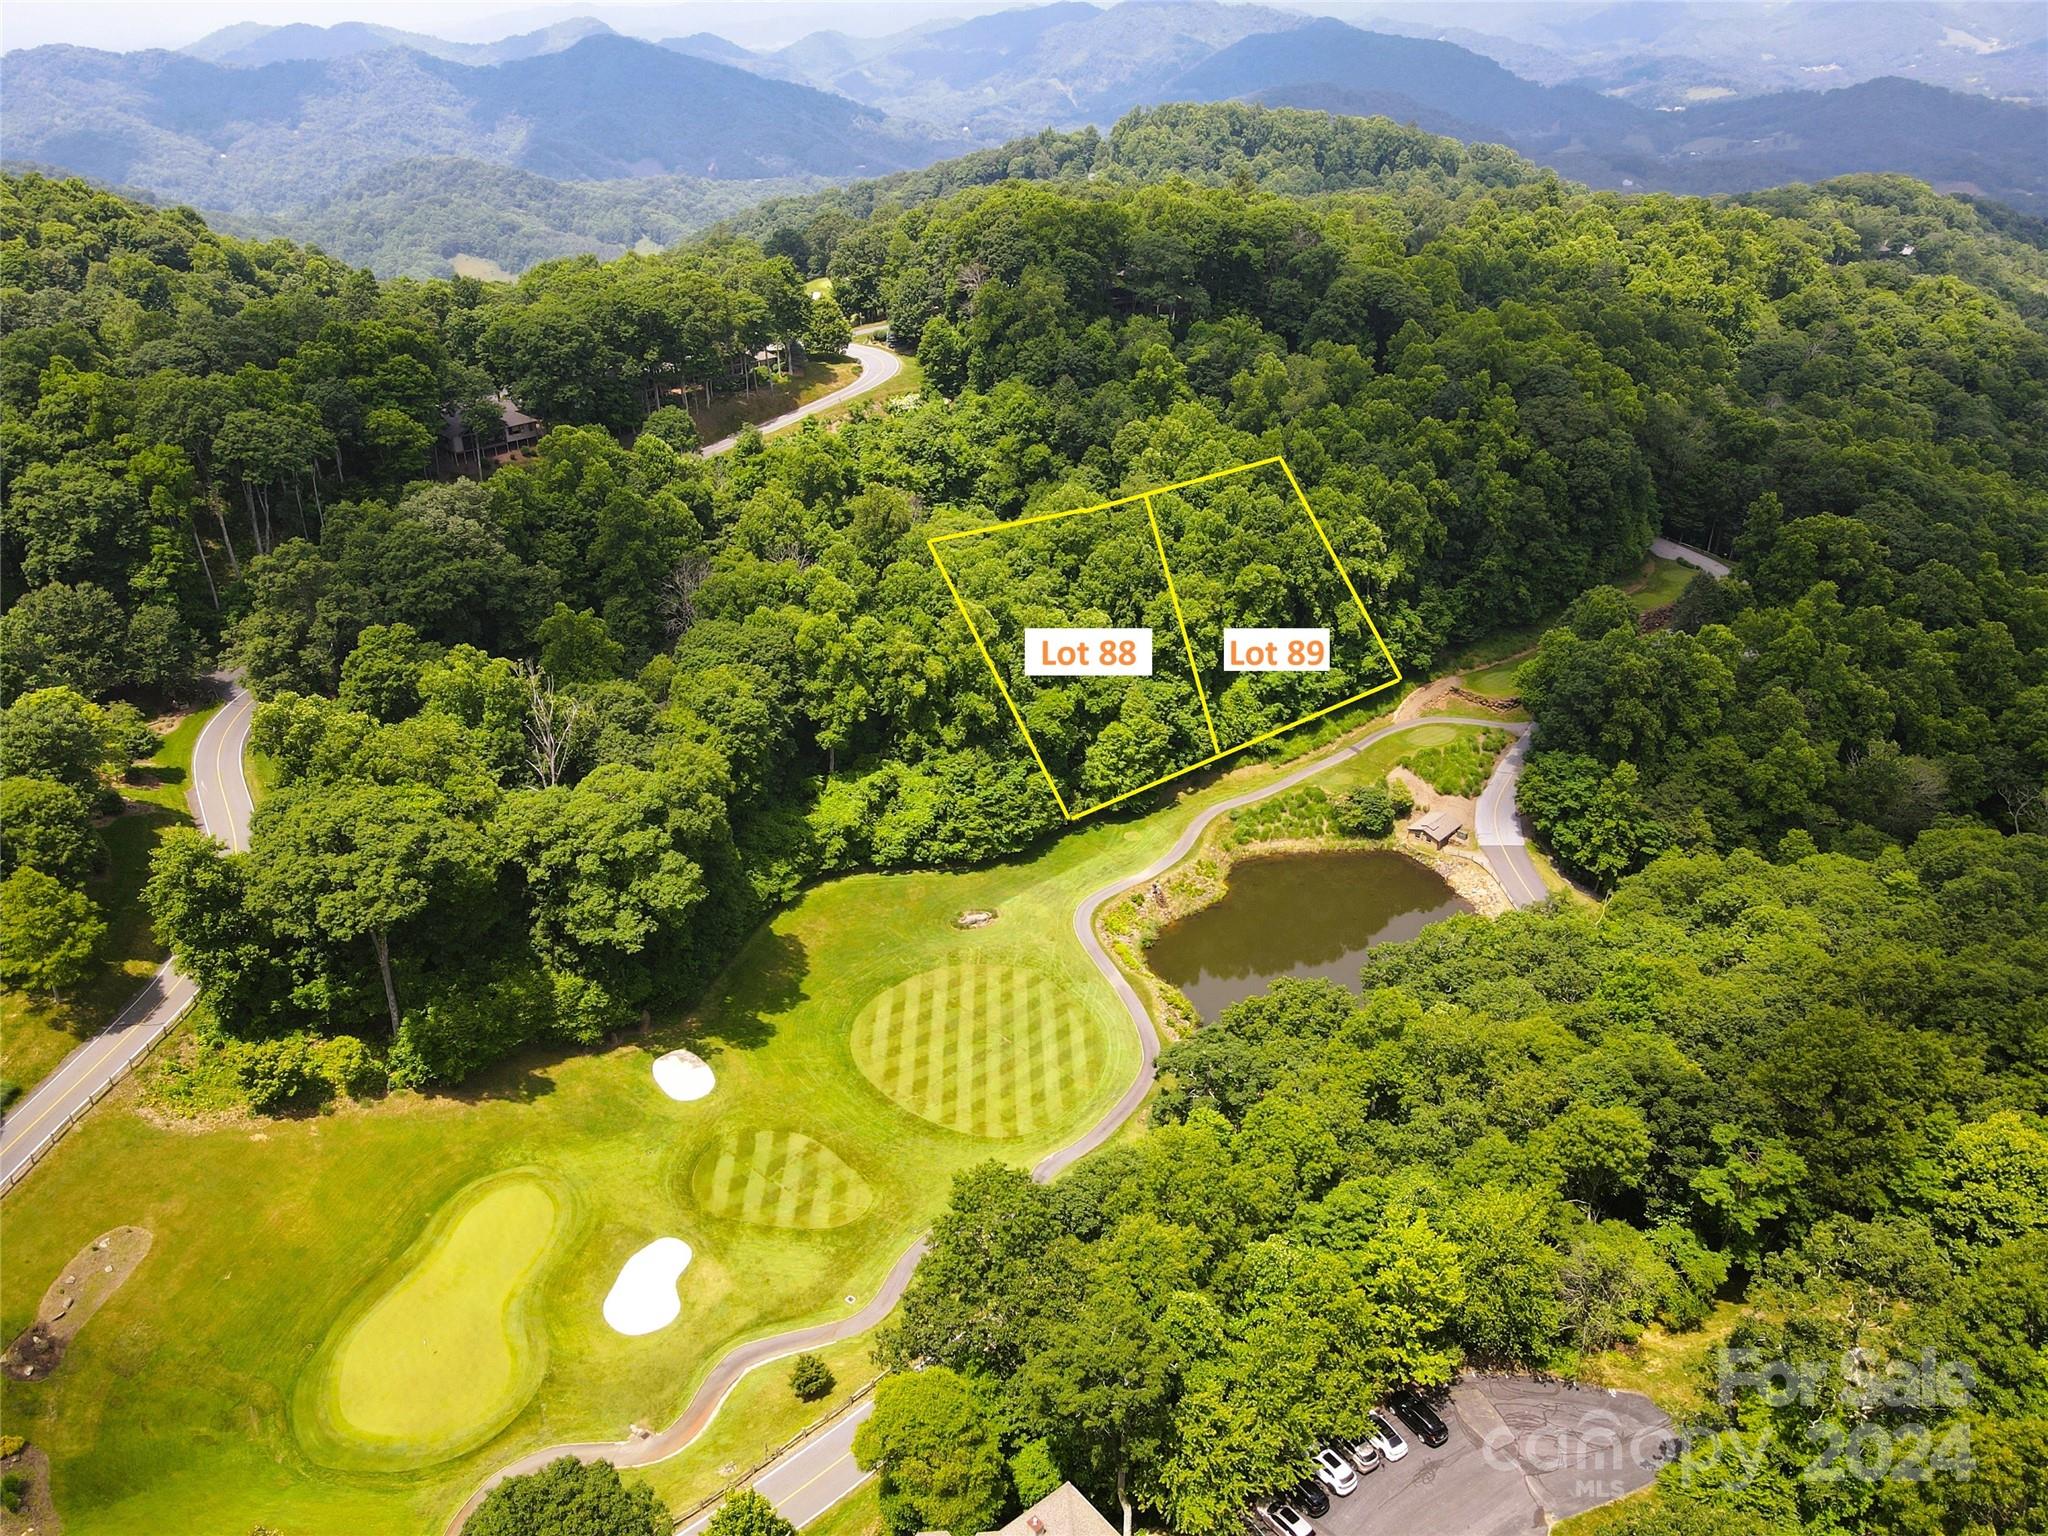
x=1522, y=1454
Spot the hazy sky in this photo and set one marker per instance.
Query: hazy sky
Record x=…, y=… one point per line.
x=125, y=24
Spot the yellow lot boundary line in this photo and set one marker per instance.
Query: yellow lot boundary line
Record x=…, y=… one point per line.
x=1172, y=592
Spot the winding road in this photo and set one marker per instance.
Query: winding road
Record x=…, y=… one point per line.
x=219, y=797
x=810, y=1478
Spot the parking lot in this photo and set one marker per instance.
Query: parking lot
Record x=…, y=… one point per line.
x=1522, y=1454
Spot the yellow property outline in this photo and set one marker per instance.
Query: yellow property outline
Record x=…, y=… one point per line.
x=1172, y=592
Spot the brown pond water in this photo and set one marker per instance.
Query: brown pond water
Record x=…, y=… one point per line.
x=1298, y=914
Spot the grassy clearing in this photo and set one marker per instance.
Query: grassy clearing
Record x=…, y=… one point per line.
x=36, y=1033
x=1489, y=665
x=908, y=380
x=1670, y=1369
x=174, y=1409
x=729, y=413
x=1305, y=814
x=1458, y=766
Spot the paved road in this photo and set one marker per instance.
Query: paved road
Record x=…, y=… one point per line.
x=1685, y=554
x=810, y=1479
x=219, y=795
x=877, y=367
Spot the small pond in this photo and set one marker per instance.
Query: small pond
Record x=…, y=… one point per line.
x=1298, y=914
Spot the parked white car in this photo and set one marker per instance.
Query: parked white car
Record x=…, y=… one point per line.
x=1287, y=1519
x=1334, y=1472
x=1386, y=1439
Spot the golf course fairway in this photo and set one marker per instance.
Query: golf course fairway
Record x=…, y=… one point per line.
x=293, y=1253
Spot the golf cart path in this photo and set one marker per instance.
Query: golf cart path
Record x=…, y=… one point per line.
x=219, y=796
x=817, y=1473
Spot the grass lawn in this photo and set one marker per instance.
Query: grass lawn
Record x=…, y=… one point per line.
x=192, y=1401
x=728, y=413
x=440, y=1361
x=1455, y=766
x=36, y=1033
x=858, y=1514
x=761, y=1417
x=1305, y=813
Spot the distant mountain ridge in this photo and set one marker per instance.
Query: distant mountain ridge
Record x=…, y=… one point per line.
x=387, y=145
x=249, y=44
x=268, y=136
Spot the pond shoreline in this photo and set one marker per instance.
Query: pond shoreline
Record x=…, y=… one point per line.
x=1202, y=879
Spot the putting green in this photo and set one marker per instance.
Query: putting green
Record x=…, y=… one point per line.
x=1428, y=736
x=446, y=1356
x=983, y=1048
x=778, y=1179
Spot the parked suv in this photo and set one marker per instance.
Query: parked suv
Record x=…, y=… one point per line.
x=1363, y=1453
x=1334, y=1472
x=1310, y=1496
x=1421, y=1418
x=1385, y=1438
x=1288, y=1519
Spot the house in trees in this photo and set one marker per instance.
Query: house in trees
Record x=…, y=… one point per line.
x=462, y=449
x=1063, y=1512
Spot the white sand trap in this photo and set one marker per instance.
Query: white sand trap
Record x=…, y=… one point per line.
x=683, y=1075
x=643, y=1298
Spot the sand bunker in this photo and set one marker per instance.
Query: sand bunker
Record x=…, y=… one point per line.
x=683, y=1075
x=643, y=1299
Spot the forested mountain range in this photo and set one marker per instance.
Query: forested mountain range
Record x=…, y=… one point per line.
x=325, y=130
x=422, y=218
x=1675, y=53
x=272, y=137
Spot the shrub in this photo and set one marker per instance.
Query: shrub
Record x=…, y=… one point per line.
x=811, y=1378
x=13, y=1491
x=1367, y=811
x=11, y=1446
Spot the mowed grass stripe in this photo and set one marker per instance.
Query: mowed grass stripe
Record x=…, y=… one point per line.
x=991, y=1050
x=779, y=1178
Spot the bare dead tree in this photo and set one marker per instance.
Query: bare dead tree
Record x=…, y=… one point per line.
x=553, y=724
x=678, y=595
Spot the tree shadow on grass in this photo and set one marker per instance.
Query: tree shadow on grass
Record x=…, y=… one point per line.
x=519, y=1079
x=737, y=1011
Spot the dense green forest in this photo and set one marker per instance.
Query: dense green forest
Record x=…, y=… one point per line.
x=1818, y=1081
x=414, y=218
x=733, y=675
